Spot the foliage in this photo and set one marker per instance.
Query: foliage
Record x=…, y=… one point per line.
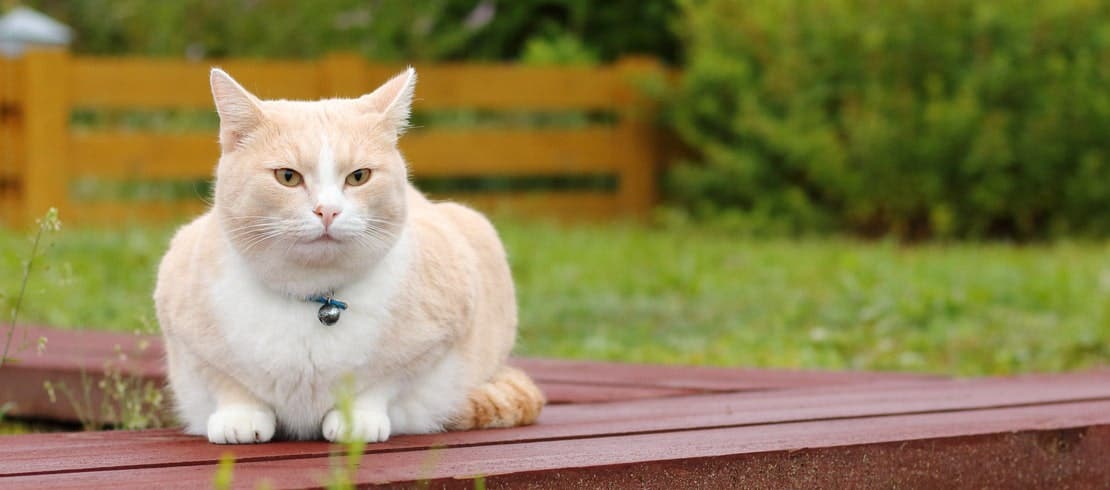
x=128, y=401
x=225, y=472
x=95, y=278
x=14, y=427
x=382, y=29
x=563, y=49
x=916, y=118
x=694, y=295
x=49, y=223
x=344, y=468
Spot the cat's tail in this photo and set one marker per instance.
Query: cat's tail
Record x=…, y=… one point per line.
x=508, y=399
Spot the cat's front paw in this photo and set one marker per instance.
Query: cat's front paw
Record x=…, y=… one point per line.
x=239, y=424
x=368, y=426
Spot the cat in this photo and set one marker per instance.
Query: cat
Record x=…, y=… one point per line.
x=315, y=221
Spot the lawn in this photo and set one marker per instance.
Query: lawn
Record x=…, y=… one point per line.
x=699, y=296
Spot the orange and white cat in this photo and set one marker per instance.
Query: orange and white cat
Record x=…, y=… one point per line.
x=320, y=268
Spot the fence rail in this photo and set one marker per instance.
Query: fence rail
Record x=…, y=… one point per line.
x=43, y=155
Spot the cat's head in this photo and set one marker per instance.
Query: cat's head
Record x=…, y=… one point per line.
x=316, y=185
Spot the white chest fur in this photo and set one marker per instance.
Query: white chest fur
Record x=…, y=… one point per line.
x=282, y=353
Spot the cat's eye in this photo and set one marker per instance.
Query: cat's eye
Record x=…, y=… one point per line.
x=288, y=177
x=358, y=177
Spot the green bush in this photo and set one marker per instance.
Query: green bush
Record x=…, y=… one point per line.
x=918, y=118
x=552, y=30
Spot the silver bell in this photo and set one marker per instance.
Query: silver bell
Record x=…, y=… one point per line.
x=329, y=314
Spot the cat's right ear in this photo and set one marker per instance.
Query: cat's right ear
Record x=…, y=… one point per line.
x=239, y=110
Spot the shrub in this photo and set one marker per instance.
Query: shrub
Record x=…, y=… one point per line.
x=971, y=118
x=383, y=30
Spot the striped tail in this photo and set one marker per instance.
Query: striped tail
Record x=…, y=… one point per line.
x=509, y=399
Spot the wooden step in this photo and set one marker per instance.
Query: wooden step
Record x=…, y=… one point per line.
x=621, y=426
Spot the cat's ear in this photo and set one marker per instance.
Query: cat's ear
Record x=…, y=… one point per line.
x=393, y=99
x=239, y=110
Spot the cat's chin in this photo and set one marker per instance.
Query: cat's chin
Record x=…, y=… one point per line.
x=307, y=268
x=323, y=251
x=320, y=250
x=306, y=254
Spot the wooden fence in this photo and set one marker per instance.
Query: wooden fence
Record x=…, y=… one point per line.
x=42, y=155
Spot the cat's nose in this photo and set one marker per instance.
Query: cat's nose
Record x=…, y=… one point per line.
x=326, y=214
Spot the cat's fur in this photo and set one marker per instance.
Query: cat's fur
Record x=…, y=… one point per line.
x=432, y=312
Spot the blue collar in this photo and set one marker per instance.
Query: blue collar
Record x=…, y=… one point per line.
x=328, y=300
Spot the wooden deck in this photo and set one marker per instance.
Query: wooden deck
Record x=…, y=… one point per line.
x=625, y=426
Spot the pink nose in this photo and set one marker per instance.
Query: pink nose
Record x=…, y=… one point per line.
x=326, y=214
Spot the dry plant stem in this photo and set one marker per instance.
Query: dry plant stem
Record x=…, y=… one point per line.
x=19, y=299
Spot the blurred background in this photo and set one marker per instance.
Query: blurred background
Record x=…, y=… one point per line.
x=829, y=184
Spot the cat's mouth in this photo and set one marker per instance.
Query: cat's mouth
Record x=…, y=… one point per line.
x=324, y=238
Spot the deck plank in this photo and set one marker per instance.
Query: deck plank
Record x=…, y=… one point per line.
x=1079, y=432
x=705, y=378
x=43, y=453
x=621, y=425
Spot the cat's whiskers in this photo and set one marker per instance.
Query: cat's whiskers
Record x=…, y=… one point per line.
x=379, y=235
x=370, y=221
x=254, y=217
x=373, y=220
x=292, y=243
x=261, y=238
x=255, y=220
x=251, y=227
x=364, y=242
x=377, y=220
x=252, y=244
x=250, y=232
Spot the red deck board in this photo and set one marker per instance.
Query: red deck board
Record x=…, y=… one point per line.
x=45, y=453
x=622, y=425
x=703, y=378
x=567, y=392
x=530, y=458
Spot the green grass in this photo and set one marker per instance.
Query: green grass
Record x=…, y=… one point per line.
x=697, y=296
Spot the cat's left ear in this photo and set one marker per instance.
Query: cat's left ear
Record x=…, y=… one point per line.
x=394, y=99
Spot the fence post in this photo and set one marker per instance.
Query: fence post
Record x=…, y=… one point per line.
x=45, y=102
x=637, y=135
x=11, y=207
x=342, y=75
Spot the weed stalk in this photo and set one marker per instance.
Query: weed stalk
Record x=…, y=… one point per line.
x=49, y=222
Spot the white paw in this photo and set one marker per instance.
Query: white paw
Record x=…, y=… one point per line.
x=239, y=424
x=368, y=426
